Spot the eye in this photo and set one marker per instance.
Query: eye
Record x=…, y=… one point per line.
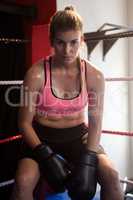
x=59, y=42
x=74, y=42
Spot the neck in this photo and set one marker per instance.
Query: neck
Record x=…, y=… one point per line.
x=57, y=63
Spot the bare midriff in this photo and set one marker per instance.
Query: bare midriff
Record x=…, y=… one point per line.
x=61, y=121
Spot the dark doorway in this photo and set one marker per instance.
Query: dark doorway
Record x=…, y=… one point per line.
x=12, y=67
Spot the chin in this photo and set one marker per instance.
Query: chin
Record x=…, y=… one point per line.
x=68, y=60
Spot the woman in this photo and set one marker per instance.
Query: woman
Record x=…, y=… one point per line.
x=58, y=90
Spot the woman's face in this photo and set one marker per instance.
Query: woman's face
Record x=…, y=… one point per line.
x=66, y=46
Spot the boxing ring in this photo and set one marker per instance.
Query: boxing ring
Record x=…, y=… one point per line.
x=63, y=196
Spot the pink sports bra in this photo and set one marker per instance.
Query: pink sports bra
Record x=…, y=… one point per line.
x=48, y=104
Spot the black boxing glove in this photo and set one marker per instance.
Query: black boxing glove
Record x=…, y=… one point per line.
x=83, y=180
x=53, y=167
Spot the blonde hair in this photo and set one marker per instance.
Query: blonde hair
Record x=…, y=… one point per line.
x=65, y=20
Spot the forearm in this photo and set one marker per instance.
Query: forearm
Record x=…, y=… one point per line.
x=29, y=134
x=94, y=133
x=93, y=140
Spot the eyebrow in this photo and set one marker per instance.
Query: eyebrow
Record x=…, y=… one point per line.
x=58, y=39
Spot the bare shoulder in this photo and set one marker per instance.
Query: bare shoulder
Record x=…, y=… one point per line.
x=94, y=76
x=35, y=77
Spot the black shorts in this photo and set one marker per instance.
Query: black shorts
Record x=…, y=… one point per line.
x=66, y=142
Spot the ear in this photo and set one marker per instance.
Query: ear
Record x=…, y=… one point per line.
x=82, y=39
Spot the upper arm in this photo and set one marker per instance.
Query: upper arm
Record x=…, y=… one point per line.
x=95, y=87
x=32, y=83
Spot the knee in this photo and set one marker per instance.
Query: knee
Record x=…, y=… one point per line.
x=23, y=181
x=111, y=177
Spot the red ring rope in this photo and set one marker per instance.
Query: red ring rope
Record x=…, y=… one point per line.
x=122, y=133
x=10, y=139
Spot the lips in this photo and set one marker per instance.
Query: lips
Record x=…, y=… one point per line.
x=67, y=58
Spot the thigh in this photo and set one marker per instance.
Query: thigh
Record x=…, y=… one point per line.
x=27, y=172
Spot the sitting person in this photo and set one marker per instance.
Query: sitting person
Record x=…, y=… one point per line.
x=57, y=91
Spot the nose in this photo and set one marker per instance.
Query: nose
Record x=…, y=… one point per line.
x=67, y=48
